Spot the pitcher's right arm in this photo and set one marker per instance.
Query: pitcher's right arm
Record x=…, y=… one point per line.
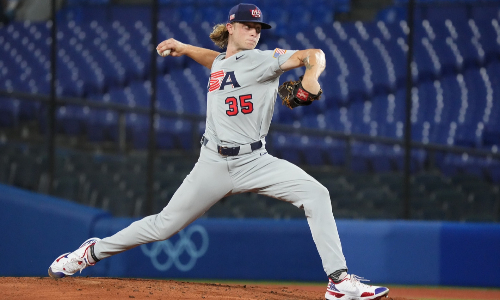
x=204, y=57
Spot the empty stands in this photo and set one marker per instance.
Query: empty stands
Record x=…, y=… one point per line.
x=103, y=57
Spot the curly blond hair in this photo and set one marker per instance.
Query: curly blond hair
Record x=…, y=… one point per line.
x=220, y=35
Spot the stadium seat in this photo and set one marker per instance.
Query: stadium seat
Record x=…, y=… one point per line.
x=102, y=125
x=9, y=112
x=103, y=56
x=485, y=12
x=455, y=13
x=287, y=146
x=174, y=134
x=137, y=130
x=71, y=119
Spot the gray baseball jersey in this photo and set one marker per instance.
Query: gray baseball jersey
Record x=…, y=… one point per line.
x=241, y=94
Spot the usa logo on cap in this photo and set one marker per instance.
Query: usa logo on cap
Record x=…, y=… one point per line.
x=245, y=12
x=256, y=13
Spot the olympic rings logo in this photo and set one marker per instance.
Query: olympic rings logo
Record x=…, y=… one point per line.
x=174, y=251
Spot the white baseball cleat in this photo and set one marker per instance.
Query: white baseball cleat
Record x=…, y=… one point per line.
x=351, y=288
x=71, y=262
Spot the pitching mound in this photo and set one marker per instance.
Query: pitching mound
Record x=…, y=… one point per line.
x=116, y=288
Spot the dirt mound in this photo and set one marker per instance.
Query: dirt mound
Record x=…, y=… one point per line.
x=123, y=288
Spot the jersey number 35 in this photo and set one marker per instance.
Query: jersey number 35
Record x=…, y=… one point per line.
x=245, y=104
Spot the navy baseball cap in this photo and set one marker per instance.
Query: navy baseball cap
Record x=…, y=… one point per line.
x=245, y=12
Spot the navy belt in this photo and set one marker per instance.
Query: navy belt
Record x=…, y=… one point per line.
x=232, y=151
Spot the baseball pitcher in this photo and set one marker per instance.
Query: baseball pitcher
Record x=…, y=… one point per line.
x=241, y=93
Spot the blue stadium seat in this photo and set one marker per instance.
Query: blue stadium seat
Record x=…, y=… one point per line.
x=361, y=154
x=428, y=107
x=137, y=129
x=450, y=58
x=467, y=135
x=71, y=119
x=337, y=119
x=105, y=56
x=494, y=172
x=451, y=94
x=174, y=134
x=426, y=59
x=185, y=89
x=127, y=15
x=212, y=15
x=381, y=66
x=283, y=114
x=117, y=95
x=168, y=99
x=315, y=150
x=342, y=5
x=491, y=137
x=311, y=121
x=485, y=11
x=391, y=129
x=455, y=13
x=477, y=95
x=395, y=46
x=488, y=34
x=453, y=164
x=321, y=14
x=102, y=125
x=383, y=158
x=287, y=146
x=440, y=133
x=141, y=91
x=9, y=111
x=466, y=41
x=29, y=110
x=359, y=79
x=165, y=139
x=188, y=14
x=360, y=115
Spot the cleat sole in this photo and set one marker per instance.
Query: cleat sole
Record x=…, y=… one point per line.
x=56, y=275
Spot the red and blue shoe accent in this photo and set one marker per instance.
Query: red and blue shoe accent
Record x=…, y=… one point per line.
x=69, y=263
x=351, y=288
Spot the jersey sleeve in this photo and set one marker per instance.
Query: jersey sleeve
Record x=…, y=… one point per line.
x=271, y=62
x=219, y=58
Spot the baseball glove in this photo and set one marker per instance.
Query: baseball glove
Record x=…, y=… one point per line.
x=293, y=94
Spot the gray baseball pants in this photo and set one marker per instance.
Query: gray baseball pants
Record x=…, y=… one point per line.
x=214, y=177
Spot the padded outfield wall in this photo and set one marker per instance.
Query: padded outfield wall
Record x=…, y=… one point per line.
x=37, y=228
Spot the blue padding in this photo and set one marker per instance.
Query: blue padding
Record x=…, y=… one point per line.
x=36, y=228
x=470, y=254
x=117, y=265
x=383, y=251
x=399, y=252
x=237, y=249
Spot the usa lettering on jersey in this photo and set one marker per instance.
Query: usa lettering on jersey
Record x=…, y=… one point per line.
x=219, y=80
x=215, y=80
